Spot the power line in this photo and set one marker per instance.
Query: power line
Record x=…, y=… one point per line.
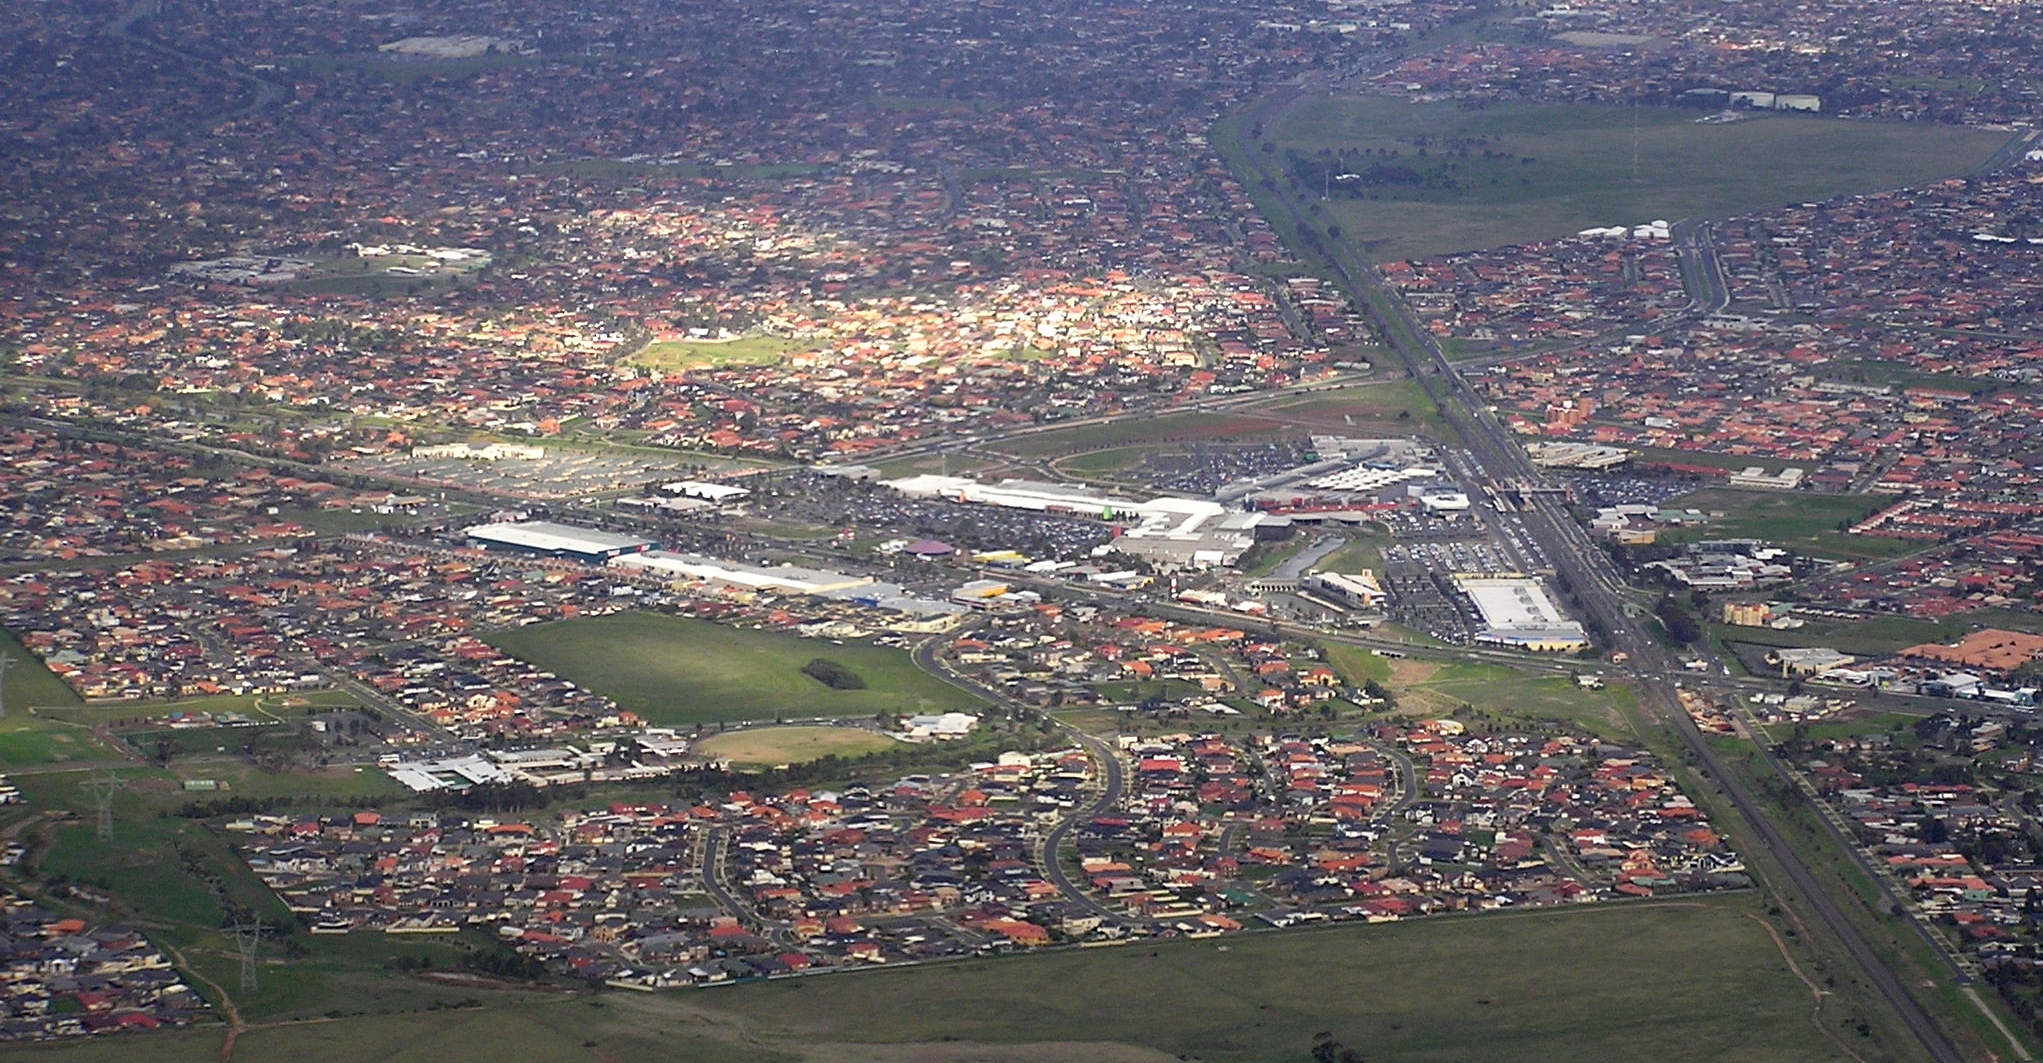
x=103, y=787
x=247, y=940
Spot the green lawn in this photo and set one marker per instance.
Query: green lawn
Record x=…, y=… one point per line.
x=1471, y=177
x=1901, y=375
x=1393, y=407
x=410, y=1020
x=954, y=464
x=143, y=868
x=1776, y=515
x=304, y=786
x=672, y=670
x=1106, y=462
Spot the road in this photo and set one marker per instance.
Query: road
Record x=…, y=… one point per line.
x=1112, y=774
x=266, y=93
x=1590, y=573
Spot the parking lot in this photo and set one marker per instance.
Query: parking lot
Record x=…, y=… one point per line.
x=557, y=475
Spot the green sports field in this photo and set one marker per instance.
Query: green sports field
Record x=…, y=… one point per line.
x=1447, y=177
x=672, y=670
x=771, y=746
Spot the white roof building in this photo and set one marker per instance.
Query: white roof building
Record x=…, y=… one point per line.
x=1517, y=612
x=781, y=579
x=546, y=537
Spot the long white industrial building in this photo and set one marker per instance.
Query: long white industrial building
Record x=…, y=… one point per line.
x=781, y=579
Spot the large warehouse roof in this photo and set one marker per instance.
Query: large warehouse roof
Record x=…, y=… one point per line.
x=1517, y=612
x=782, y=578
x=549, y=537
x=1014, y=494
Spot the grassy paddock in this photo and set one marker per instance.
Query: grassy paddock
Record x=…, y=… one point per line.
x=1592, y=984
x=1509, y=698
x=1869, y=637
x=672, y=670
x=1355, y=664
x=1552, y=169
x=28, y=682
x=1396, y=407
x=1800, y=520
x=679, y=355
x=1776, y=516
x=1562, y=986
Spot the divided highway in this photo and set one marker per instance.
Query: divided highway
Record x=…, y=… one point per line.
x=1577, y=559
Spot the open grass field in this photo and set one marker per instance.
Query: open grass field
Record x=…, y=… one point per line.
x=766, y=747
x=1777, y=515
x=675, y=356
x=1355, y=664
x=1806, y=522
x=1877, y=636
x=1364, y=552
x=1392, y=407
x=1591, y=984
x=951, y=465
x=304, y=785
x=26, y=740
x=27, y=737
x=1153, y=431
x=1470, y=177
x=1104, y=463
x=28, y=682
x=672, y=670
x=1551, y=986
x=156, y=867
x=1506, y=697
x=1900, y=375
x=267, y=708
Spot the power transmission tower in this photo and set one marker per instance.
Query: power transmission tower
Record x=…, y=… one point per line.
x=103, y=787
x=247, y=939
x=6, y=661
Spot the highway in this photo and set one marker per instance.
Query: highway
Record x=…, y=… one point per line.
x=1589, y=571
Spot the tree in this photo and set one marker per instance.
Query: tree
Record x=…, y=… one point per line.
x=1681, y=625
x=833, y=675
